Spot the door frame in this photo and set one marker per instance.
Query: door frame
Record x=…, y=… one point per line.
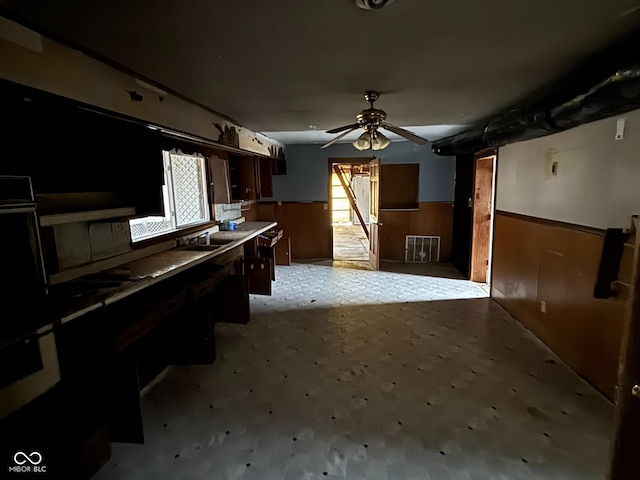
x=487, y=153
x=374, y=218
x=331, y=162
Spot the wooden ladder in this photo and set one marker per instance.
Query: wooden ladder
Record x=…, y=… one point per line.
x=351, y=196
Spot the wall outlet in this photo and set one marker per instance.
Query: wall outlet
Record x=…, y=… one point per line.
x=326, y=207
x=543, y=306
x=279, y=202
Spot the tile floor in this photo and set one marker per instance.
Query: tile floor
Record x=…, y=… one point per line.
x=349, y=373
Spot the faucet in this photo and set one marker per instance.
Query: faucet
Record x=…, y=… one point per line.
x=194, y=240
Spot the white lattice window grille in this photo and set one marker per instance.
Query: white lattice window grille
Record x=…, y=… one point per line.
x=422, y=249
x=184, y=194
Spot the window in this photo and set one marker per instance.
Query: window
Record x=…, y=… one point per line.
x=185, y=198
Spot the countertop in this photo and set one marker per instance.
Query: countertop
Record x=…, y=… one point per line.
x=71, y=300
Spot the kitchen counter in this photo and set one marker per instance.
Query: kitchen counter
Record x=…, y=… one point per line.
x=74, y=299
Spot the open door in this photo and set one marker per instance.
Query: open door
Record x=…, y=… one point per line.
x=624, y=448
x=482, y=218
x=374, y=213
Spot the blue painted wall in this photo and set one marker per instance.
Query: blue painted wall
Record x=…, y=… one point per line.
x=308, y=170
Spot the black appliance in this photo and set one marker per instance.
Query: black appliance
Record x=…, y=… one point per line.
x=22, y=275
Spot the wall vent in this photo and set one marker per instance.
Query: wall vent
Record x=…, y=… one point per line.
x=422, y=249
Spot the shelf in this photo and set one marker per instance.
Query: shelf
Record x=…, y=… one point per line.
x=50, y=220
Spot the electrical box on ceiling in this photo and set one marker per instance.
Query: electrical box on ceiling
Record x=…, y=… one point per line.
x=372, y=4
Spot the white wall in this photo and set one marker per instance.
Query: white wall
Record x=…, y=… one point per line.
x=360, y=186
x=598, y=179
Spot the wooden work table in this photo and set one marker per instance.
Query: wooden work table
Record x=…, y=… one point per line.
x=117, y=329
x=74, y=299
x=135, y=276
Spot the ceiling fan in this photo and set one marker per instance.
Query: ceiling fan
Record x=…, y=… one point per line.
x=372, y=119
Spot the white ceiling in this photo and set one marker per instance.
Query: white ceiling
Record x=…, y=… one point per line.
x=285, y=65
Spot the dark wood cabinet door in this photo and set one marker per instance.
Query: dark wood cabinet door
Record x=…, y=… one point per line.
x=266, y=181
x=194, y=341
x=231, y=300
x=125, y=422
x=259, y=272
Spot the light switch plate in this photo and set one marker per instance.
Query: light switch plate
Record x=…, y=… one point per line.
x=620, y=128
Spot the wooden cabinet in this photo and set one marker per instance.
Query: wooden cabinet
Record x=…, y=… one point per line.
x=264, y=175
x=259, y=272
x=232, y=300
x=242, y=177
x=250, y=177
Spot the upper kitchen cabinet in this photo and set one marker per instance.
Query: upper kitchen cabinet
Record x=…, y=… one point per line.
x=66, y=147
x=250, y=177
x=242, y=175
x=264, y=175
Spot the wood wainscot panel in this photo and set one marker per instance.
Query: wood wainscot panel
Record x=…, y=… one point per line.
x=250, y=212
x=431, y=218
x=307, y=224
x=543, y=274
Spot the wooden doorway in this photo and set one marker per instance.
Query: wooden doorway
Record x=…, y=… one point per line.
x=482, y=229
x=349, y=206
x=374, y=214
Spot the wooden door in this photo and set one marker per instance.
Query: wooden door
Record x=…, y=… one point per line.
x=374, y=214
x=482, y=218
x=624, y=448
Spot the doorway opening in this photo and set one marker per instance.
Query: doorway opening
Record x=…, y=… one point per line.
x=483, y=216
x=349, y=194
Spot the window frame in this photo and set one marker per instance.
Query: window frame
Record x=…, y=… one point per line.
x=169, y=199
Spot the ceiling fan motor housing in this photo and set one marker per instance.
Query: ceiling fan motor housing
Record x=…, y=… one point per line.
x=372, y=4
x=371, y=116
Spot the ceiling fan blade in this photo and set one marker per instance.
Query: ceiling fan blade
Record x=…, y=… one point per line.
x=339, y=137
x=340, y=129
x=404, y=133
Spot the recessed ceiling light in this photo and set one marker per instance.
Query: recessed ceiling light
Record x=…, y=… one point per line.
x=372, y=4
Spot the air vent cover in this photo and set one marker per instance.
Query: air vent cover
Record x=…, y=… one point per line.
x=422, y=249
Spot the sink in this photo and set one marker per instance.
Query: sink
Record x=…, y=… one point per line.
x=201, y=246
x=220, y=241
x=214, y=243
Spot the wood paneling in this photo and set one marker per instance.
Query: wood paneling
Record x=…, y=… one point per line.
x=307, y=224
x=536, y=261
x=431, y=218
x=399, y=185
x=250, y=212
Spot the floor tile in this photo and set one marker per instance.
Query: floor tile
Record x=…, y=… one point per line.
x=410, y=372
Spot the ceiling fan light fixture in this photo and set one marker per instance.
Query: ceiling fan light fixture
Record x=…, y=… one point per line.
x=372, y=4
x=379, y=141
x=363, y=142
x=372, y=119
